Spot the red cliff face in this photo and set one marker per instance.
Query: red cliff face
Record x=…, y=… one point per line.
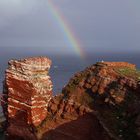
x=111, y=80
x=99, y=103
x=29, y=89
x=96, y=105
x=112, y=90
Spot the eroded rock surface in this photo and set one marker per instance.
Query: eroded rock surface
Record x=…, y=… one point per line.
x=106, y=93
x=100, y=103
x=29, y=89
x=113, y=90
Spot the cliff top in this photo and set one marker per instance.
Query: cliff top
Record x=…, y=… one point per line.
x=118, y=64
x=28, y=65
x=32, y=61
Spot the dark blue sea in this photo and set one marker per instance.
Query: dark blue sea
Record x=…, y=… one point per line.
x=64, y=66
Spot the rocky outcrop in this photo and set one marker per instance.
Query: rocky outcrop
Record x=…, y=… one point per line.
x=29, y=89
x=111, y=80
x=105, y=93
x=68, y=120
x=112, y=90
x=99, y=103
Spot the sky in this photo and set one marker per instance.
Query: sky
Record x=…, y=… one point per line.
x=99, y=25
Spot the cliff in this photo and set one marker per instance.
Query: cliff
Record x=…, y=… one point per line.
x=112, y=89
x=99, y=103
x=28, y=90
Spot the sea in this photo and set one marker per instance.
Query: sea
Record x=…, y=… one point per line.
x=65, y=66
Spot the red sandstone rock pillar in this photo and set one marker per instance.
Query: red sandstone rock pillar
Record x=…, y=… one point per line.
x=29, y=90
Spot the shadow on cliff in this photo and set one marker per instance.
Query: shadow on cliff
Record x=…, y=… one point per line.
x=19, y=128
x=86, y=127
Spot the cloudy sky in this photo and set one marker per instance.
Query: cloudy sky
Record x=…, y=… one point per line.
x=100, y=25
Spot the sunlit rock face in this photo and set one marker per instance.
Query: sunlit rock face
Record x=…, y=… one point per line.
x=29, y=89
x=103, y=94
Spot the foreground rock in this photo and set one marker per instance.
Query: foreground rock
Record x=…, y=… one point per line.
x=100, y=103
x=2, y=120
x=28, y=89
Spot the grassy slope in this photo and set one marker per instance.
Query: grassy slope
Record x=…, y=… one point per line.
x=132, y=73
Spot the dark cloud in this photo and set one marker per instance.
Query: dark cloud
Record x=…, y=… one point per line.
x=101, y=25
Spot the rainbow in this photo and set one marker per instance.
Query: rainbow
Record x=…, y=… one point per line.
x=68, y=32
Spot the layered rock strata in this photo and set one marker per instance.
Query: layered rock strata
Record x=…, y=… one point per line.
x=29, y=89
x=113, y=90
x=94, y=99
x=99, y=103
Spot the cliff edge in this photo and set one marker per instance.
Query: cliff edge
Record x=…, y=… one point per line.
x=102, y=102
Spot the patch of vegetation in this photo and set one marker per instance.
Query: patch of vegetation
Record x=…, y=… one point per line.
x=44, y=122
x=120, y=121
x=126, y=126
x=86, y=99
x=82, y=97
x=132, y=73
x=74, y=82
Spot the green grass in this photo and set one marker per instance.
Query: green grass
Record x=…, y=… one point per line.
x=132, y=73
x=85, y=99
x=44, y=122
x=74, y=82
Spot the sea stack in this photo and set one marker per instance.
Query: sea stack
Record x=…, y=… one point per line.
x=28, y=90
